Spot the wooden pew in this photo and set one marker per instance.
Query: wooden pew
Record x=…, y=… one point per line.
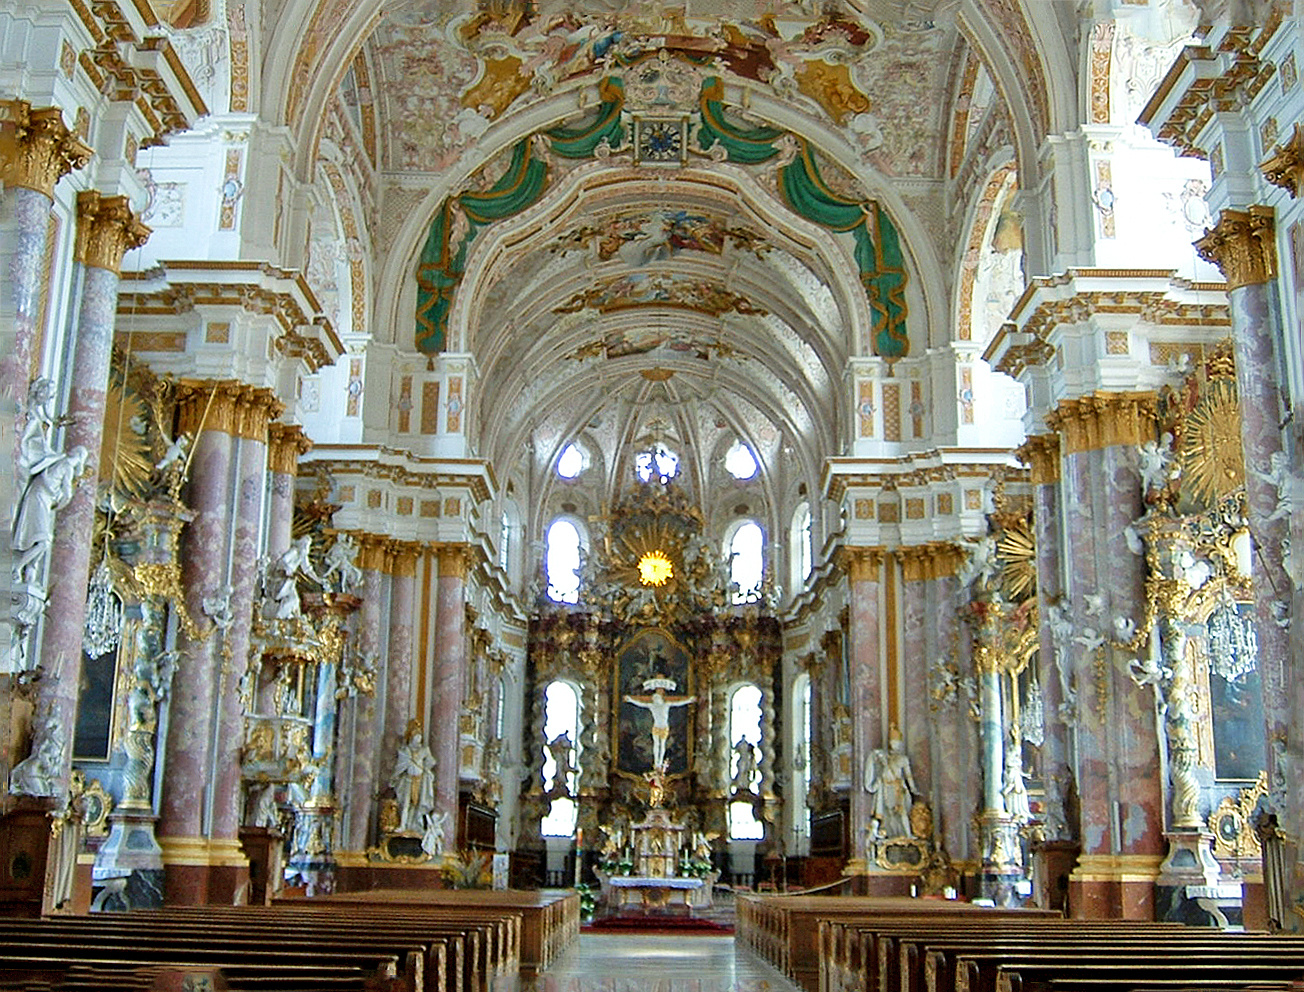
x=784, y=929
x=1122, y=974
x=550, y=921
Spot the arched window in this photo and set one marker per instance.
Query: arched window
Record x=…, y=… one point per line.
x=500, y=714
x=802, y=554
x=740, y=462
x=563, y=562
x=801, y=760
x=505, y=542
x=561, y=716
x=659, y=462
x=745, y=725
x=746, y=561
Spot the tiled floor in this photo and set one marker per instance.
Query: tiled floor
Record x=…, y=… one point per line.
x=656, y=963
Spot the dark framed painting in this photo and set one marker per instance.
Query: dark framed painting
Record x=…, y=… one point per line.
x=648, y=659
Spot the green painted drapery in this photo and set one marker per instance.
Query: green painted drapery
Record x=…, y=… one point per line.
x=749, y=145
x=582, y=142
x=877, y=251
x=877, y=245
x=441, y=266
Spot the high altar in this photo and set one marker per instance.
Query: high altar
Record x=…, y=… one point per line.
x=656, y=648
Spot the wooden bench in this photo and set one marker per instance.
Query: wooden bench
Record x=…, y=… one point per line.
x=785, y=929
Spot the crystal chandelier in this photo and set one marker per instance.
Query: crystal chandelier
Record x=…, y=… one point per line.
x=1233, y=643
x=103, y=613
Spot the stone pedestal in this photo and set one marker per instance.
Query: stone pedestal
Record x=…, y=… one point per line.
x=1189, y=890
x=312, y=862
x=128, y=872
x=1002, y=872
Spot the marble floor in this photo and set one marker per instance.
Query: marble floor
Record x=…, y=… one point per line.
x=660, y=963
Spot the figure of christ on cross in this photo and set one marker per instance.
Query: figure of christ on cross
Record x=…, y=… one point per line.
x=659, y=705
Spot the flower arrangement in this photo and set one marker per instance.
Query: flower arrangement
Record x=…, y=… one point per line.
x=588, y=900
x=468, y=869
x=694, y=867
x=617, y=865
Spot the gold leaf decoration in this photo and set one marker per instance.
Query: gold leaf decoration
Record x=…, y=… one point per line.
x=126, y=460
x=1016, y=550
x=1212, y=463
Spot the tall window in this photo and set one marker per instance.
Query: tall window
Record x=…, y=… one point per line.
x=563, y=562
x=801, y=758
x=505, y=542
x=561, y=715
x=746, y=561
x=801, y=546
x=745, y=725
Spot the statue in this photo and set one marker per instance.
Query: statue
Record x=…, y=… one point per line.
x=1156, y=463
x=283, y=578
x=659, y=705
x=1280, y=477
x=414, y=782
x=51, y=482
x=265, y=812
x=40, y=772
x=340, y=561
x=1015, y=789
x=891, y=787
x=560, y=747
x=742, y=779
x=432, y=835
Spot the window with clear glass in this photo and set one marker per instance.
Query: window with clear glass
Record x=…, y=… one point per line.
x=505, y=542
x=660, y=462
x=746, y=561
x=801, y=760
x=740, y=462
x=500, y=715
x=563, y=562
x=571, y=461
x=801, y=545
x=561, y=716
x=745, y=725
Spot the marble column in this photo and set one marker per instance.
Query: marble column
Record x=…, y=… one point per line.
x=106, y=229
x=1054, y=853
x=868, y=700
x=1118, y=776
x=359, y=791
x=36, y=151
x=1243, y=246
x=450, y=661
x=400, y=695
x=207, y=412
x=916, y=576
x=954, y=733
x=228, y=875
x=285, y=445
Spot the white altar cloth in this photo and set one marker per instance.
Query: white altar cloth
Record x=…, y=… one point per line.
x=653, y=892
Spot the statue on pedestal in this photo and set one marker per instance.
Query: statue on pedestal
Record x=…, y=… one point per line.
x=414, y=782
x=891, y=787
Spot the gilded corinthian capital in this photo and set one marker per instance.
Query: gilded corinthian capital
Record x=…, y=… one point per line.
x=36, y=148
x=1285, y=167
x=106, y=230
x=1243, y=246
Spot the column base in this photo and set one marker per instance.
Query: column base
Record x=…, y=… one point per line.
x=1114, y=887
x=198, y=872
x=128, y=872
x=1188, y=889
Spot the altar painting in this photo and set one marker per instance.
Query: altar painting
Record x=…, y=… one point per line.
x=647, y=655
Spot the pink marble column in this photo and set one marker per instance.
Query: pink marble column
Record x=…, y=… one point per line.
x=106, y=229
x=1243, y=246
x=43, y=151
x=1120, y=788
x=958, y=775
x=361, y=787
x=915, y=662
x=450, y=661
x=400, y=696
x=286, y=444
x=254, y=408
x=1042, y=453
x=867, y=697
x=188, y=802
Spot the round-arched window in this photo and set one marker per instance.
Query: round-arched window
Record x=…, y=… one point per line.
x=747, y=561
x=740, y=462
x=745, y=725
x=563, y=562
x=561, y=734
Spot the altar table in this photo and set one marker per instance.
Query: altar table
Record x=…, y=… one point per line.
x=654, y=893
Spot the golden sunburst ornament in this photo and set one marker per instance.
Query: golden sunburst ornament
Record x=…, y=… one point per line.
x=1016, y=550
x=1212, y=464
x=655, y=568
